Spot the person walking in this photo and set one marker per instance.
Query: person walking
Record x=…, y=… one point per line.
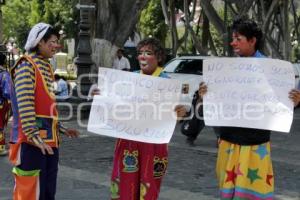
x=244, y=166
x=138, y=167
x=34, y=146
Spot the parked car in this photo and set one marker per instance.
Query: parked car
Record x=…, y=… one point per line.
x=187, y=69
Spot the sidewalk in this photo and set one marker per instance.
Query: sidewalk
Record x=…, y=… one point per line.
x=85, y=166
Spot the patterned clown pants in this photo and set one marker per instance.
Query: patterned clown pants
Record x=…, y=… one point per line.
x=245, y=172
x=138, y=170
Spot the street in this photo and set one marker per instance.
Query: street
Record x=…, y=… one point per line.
x=85, y=166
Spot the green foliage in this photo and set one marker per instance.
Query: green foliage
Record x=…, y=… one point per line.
x=62, y=14
x=16, y=20
x=218, y=41
x=152, y=21
x=35, y=15
x=20, y=15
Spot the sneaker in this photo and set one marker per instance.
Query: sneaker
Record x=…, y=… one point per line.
x=190, y=141
x=3, y=152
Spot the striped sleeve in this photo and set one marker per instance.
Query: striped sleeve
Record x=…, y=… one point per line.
x=62, y=128
x=24, y=85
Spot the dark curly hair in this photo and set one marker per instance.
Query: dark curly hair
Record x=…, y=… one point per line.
x=156, y=46
x=249, y=29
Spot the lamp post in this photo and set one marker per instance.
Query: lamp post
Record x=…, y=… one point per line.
x=83, y=60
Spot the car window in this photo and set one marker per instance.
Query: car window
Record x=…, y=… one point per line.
x=172, y=65
x=190, y=67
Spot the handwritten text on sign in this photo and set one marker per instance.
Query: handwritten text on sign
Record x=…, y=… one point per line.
x=134, y=106
x=248, y=92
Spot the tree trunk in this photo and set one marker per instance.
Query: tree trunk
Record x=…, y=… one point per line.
x=286, y=34
x=296, y=21
x=245, y=7
x=173, y=28
x=196, y=41
x=116, y=19
x=269, y=14
x=186, y=23
x=213, y=16
x=165, y=11
x=205, y=32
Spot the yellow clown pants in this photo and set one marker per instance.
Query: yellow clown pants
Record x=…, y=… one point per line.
x=245, y=172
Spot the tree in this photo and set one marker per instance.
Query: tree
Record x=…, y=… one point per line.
x=35, y=15
x=16, y=20
x=277, y=19
x=62, y=14
x=152, y=22
x=20, y=15
x=116, y=19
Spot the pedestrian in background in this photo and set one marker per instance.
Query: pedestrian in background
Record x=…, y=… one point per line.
x=34, y=146
x=120, y=61
x=244, y=167
x=138, y=167
x=8, y=104
x=61, y=91
x=5, y=88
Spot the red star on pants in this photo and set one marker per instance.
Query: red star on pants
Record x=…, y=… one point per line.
x=268, y=180
x=231, y=175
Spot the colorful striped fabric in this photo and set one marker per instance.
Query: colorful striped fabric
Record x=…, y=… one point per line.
x=25, y=85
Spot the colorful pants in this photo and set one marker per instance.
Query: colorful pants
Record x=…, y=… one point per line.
x=35, y=177
x=4, y=113
x=245, y=172
x=138, y=170
x=2, y=140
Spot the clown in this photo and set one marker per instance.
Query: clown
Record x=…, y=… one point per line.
x=34, y=145
x=139, y=167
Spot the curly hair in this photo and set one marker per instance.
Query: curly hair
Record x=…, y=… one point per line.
x=156, y=46
x=249, y=29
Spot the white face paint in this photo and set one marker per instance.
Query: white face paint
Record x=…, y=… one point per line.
x=147, y=60
x=243, y=46
x=49, y=48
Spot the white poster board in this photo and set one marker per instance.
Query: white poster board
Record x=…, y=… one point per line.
x=248, y=92
x=134, y=106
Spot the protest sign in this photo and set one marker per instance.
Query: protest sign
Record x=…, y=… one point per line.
x=134, y=106
x=248, y=92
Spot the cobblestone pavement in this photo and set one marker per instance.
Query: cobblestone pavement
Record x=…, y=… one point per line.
x=85, y=165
